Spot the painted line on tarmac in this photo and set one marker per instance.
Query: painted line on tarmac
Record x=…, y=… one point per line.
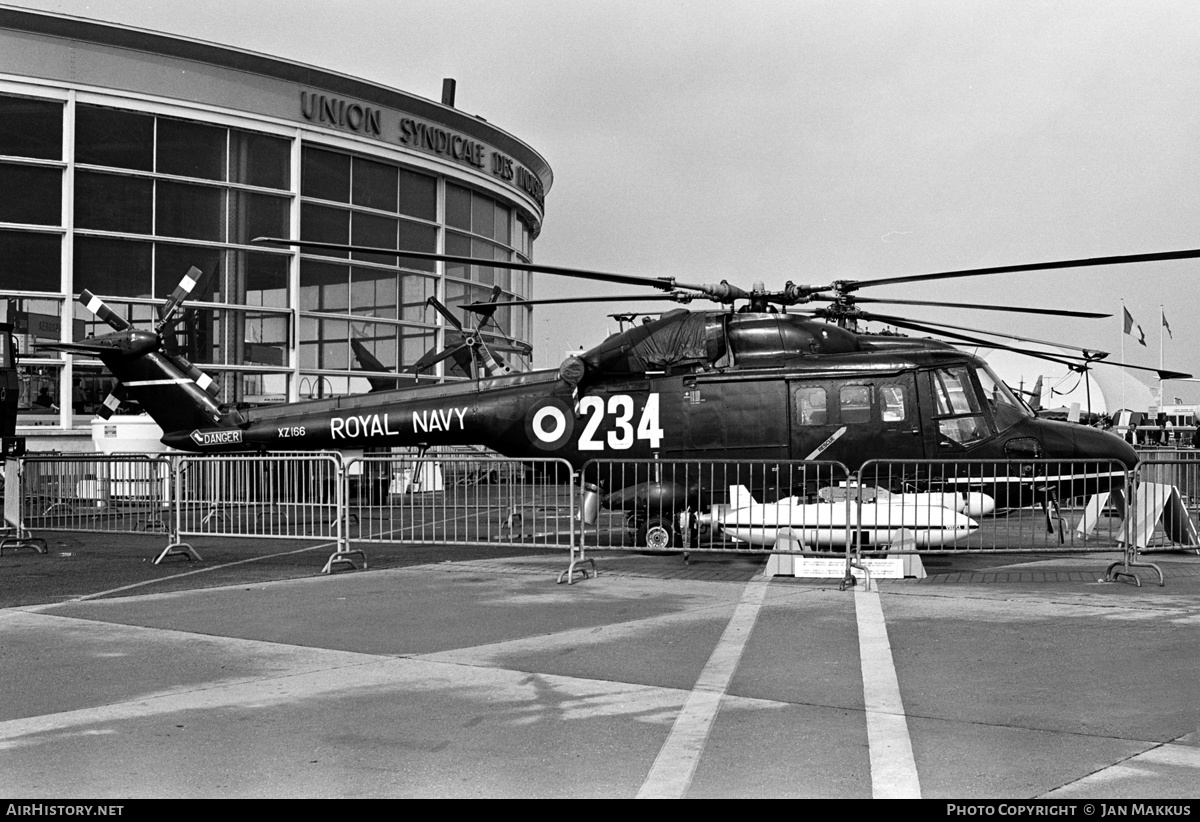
x=146, y=582
x=671, y=774
x=893, y=768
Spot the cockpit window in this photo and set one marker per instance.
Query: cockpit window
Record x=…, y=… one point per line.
x=957, y=410
x=1006, y=409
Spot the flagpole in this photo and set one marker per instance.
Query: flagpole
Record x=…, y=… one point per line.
x=1124, y=314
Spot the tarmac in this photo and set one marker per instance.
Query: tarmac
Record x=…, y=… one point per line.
x=453, y=672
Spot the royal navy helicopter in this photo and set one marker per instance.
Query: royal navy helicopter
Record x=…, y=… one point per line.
x=751, y=382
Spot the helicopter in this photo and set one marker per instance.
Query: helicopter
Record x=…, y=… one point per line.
x=750, y=383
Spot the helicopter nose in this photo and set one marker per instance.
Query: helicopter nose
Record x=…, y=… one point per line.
x=1063, y=440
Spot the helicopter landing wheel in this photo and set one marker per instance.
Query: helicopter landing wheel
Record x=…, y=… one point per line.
x=658, y=534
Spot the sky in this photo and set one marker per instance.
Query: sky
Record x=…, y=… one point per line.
x=810, y=141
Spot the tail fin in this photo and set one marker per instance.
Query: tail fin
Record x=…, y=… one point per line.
x=740, y=497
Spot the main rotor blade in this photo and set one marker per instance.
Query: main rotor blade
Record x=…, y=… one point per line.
x=915, y=326
x=1162, y=256
x=1061, y=359
x=626, y=279
x=1058, y=312
x=721, y=292
x=627, y=298
x=1096, y=353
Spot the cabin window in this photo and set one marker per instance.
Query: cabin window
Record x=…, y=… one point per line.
x=811, y=404
x=854, y=403
x=893, y=403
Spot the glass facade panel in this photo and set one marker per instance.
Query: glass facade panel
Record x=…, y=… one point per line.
x=191, y=149
x=502, y=228
x=374, y=185
x=113, y=202
x=30, y=262
x=108, y=137
x=191, y=211
x=458, y=207
x=376, y=232
x=31, y=128
x=113, y=267
x=459, y=246
x=324, y=225
x=482, y=215
x=415, y=291
x=39, y=201
x=325, y=175
x=414, y=343
x=263, y=278
x=324, y=287
x=380, y=339
x=258, y=215
x=418, y=237
x=264, y=338
x=173, y=261
x=329, y=348
x=373, y=292
x=260, y=160
x=260, y=388
x=418, y=195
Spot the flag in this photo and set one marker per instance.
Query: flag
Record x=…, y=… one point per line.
x=1167, y=326
x=1129, y=325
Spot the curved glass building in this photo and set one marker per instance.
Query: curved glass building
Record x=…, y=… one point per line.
x=128, y=157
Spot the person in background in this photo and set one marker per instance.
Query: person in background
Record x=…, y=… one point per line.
x=77, y=398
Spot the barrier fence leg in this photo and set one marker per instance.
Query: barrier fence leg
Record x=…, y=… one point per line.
x=854, y=548
x=1136, y=506
x=342, y=555
x=175, y=547
x=578, y=524
x=16, y=535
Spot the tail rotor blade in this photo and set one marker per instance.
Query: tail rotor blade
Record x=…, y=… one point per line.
x=182, y=291
x=98, y=307
x=112, y=402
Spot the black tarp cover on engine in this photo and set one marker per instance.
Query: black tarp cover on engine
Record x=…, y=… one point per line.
x=677, y=338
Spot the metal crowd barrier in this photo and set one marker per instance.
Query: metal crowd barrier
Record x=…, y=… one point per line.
x=95, y=492
x=717, y=506
x=1163, y=504
x=816, y=510
x=452, y=499
x=887, y=508
x=295, y=496
x=1012, y=506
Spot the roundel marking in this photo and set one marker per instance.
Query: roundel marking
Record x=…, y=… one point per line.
x=549, y=424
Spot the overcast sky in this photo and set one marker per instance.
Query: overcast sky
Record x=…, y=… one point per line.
x=809, y=141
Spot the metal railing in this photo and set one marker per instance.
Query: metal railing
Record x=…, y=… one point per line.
x=459, y=500
x=817, y=510
x=95, y=492
x=295, y=496
x=1033, y=505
